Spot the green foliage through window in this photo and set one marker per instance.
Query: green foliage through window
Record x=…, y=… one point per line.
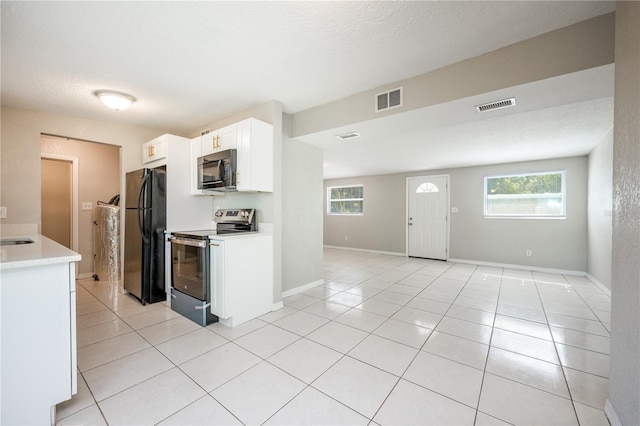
x=530, y=195
x=345, y=199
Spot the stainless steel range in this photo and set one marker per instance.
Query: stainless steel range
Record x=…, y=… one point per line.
x=190, y=267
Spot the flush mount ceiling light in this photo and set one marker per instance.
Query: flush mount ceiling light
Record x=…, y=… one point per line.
x=347, y=136
x=115, y=100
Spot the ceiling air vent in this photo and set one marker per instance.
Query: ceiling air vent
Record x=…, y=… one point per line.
x=347, y=136
x=388, y=100
x=505, y=103
x=205, y=131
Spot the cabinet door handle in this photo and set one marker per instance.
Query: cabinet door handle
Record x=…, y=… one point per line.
x=150, y=150
x=217, y=141
x=214, y=244
x=237, y=178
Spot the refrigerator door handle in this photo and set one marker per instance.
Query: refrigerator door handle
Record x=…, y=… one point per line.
x=141, y=210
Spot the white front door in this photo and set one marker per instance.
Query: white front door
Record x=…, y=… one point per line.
x=427, y=221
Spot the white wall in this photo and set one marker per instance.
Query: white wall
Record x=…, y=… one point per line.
x=624, y=372
x=599, y=211
x=382, y=227
x=301, y=214
x=555, y=243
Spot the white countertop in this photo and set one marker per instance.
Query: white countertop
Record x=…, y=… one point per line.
x=42, y=251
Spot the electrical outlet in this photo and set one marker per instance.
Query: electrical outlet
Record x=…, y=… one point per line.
x=87, y=205
x=454, y=210
x=346, y=238
x=3, y=212
x=529, y=253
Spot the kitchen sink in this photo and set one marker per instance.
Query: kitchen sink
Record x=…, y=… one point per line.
x=15, y=241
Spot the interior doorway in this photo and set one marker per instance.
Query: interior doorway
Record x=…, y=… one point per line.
x=427, y=227
x=58, y=197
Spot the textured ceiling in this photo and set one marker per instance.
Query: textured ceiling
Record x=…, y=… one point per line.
x=192, y=63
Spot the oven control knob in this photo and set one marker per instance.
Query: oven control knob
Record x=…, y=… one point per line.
x=245, y=213
x=219, y=213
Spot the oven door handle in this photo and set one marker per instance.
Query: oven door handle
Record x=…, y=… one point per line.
x=185, y=242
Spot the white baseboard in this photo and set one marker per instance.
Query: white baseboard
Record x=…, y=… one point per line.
x=302, y=288
x=599, y=284
x=390, y=253
x=522, y=267
x=611, y=414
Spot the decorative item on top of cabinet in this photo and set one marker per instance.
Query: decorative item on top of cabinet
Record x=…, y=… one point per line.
x=155, y=149
x=255, y=156
x=219, y=140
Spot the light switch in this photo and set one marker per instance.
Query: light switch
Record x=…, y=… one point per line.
x=454, y=210
x=87, y=205
x=3, y=212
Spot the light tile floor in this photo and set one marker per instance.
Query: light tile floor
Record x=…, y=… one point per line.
x=385, y=340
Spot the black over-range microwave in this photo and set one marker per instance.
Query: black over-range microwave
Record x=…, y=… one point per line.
x=218, y=171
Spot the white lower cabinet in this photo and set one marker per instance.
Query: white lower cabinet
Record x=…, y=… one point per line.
x=241, y=278
x=38, y=342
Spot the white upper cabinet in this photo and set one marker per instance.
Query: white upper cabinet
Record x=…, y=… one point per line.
x=219, y=140
x=178, y=155
x=253, y=140
x=154, y=150
x=255, y=156
x=195, y=151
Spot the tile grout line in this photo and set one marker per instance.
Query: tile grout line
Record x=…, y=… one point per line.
x=555, y=347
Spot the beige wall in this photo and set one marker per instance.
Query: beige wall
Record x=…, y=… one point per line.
x=20, y=171
x=20, y=153
x=56, y=198
x=624, y=374
x=600, y=211
x=555, y=243
x=98, y=180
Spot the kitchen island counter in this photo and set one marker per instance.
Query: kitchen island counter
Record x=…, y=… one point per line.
x=38, y=322
x=41, y=252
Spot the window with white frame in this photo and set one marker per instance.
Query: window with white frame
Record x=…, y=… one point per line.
x=345, y=199
x=531, y=195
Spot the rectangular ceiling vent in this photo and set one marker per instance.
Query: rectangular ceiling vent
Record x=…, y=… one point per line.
x=347, y=136
x=388, y=100
x=205, y=131
x=505, y=103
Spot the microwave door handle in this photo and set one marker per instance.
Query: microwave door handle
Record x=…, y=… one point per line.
x=221, y=171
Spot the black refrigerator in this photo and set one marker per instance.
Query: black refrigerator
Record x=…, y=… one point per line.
x=145, y=223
